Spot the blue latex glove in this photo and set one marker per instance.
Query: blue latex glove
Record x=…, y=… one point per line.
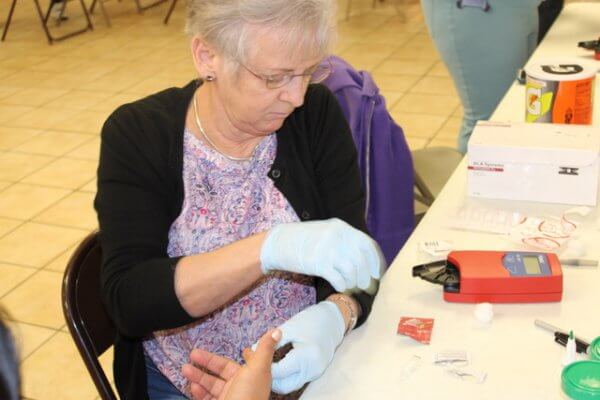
x=315, y=333
x=331, y=249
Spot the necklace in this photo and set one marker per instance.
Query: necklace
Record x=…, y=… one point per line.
x=205, y=136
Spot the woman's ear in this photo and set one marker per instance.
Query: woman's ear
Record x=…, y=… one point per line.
x=204, y=58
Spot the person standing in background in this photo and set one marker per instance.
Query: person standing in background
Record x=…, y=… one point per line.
x=548, y=12
x=483, y=44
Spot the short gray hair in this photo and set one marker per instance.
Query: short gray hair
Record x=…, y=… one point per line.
x=307, y=26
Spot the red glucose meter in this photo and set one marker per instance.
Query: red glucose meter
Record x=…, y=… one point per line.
x=496, y=276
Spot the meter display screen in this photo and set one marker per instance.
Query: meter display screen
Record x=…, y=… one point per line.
x=532, y=265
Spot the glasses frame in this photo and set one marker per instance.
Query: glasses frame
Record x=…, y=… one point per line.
x=288, y=77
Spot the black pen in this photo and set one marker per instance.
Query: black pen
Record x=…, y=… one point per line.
x=561, y=337
x=580, y=346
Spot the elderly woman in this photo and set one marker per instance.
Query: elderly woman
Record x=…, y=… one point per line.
x=233, y=205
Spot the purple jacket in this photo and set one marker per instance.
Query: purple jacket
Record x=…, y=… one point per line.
x=383, y=156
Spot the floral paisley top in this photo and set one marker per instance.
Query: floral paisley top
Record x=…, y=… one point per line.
x=225, y=201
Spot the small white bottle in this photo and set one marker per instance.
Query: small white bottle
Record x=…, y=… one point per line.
x=570, y=351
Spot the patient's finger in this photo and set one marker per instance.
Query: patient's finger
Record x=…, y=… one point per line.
x=247, y=354
x=203, y=385
x=221, y=366
x=199, y=393
x=263, y=355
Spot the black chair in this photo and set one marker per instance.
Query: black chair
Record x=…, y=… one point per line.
x=89, y=324
x=140, y=8
x=44, y=21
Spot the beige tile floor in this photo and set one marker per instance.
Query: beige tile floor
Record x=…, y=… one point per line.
x=54, y=99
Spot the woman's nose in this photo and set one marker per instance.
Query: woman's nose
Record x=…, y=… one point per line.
x=294, y=91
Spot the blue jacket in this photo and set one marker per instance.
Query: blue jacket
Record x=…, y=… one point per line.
x=383, y=155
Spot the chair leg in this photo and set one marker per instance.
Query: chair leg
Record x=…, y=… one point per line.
x=104, y=13
x=10, y=14
x=47, y=15
x=60, y=14
x=425, y=196
x=401, y=9
x=171, y=8
x=43, y=20
x=87, y=16
x=141, y=8
x=418, y=218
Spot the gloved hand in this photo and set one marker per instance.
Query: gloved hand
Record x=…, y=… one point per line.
x=331, y=249
x=315, y=333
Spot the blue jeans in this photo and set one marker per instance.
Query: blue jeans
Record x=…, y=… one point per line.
x=159, y=387
x=482, y=50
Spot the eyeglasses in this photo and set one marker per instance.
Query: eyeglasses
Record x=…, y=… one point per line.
x=314, y=74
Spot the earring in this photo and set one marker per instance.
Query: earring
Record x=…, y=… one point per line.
x=209, y=78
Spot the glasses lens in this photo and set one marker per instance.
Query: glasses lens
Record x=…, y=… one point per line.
x=278, y=81
x=321, y=73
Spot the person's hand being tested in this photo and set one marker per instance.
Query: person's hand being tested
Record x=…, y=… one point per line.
x=315, y=333
x=331, y=249
x=227, y=379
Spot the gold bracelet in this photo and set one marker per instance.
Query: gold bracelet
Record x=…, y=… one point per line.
x=353, y=316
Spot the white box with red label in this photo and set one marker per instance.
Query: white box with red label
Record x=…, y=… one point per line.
x=536, y=162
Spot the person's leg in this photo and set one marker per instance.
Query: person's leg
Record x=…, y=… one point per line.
x=482, y=50
x=159, y=387
x=548, y=12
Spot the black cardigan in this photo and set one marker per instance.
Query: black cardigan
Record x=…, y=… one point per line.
x=140, y=194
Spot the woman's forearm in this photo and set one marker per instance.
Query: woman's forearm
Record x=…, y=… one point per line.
x=205, y=282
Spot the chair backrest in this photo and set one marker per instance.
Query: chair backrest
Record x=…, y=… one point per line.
x=89, y=324
x=383, y=156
